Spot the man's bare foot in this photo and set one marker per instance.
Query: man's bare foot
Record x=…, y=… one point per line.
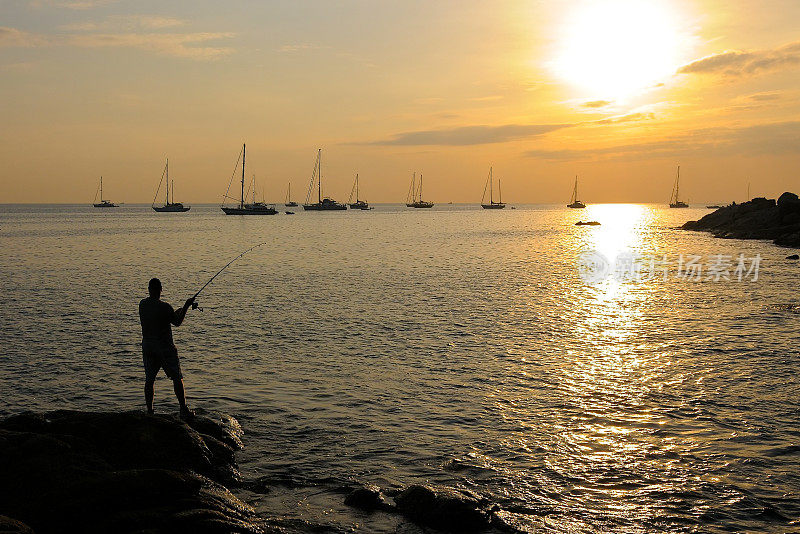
x=187, y=414
x=150, y=412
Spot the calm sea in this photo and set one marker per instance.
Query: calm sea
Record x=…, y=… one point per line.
x=452, y=346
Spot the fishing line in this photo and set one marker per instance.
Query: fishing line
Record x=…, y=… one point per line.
x=194, y=304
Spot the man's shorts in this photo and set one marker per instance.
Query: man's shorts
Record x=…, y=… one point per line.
x=160, y=355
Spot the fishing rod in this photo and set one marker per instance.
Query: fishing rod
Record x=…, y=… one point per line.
x=194, y=304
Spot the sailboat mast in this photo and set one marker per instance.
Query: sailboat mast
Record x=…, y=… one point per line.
x=575, y=190
x=319, y=178
x=491, y=187
x=677, y=184
x=244, y=148
x=499, y=191
x=356, y=187
x=420, y=187
x=101, y=189
x=173, y=196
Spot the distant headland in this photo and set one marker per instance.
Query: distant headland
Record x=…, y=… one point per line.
x=759, y=218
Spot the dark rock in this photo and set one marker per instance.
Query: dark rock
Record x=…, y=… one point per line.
x=789, y=200
x=69, y=471
x=12, y=526
x=444, y=509
x=367, y=498
x=223, y=427
x=793, y=257
x=759, y=218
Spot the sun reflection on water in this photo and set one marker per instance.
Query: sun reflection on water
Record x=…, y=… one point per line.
x=607, y=371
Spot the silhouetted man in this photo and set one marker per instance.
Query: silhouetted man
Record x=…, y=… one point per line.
x=158, y=348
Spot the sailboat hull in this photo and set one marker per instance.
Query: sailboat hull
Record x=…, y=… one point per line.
x=325, y=207
x=576, y=205
x=174, y=208
x=679, y=204
x=420, y=204
x=105, y=205
x=291, y=204
x=259, y=210
x=493, y=206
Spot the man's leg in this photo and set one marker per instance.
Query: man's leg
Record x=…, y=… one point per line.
x=172, y=366
x=148, y=394
x=177, y=385
x=151, y=366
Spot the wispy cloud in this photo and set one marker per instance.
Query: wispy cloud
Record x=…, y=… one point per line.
x=484, y=135
x=597, y=104
x=14, y=38
x=72, y=4
x=630, y=117
x=299, y=47
x=469, y=135
x=181, y=45
x=126, y=23
x=487, y=98
x=747, y=62
x=765, y=96
x=771, y=138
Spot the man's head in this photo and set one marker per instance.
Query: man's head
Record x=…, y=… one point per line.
x=154, y=287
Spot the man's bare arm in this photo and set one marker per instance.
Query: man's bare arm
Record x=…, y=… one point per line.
x=180, y=315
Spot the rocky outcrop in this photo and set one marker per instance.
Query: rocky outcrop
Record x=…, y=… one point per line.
x=759, y=218
x=69, y=471
x=369, y=498
x=445, y=509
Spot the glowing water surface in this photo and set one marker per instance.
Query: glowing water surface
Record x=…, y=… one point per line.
x=454, y=346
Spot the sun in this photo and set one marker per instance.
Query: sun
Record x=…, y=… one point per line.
x=614, y=49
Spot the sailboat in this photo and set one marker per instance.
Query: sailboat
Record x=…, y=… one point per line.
x=102, y=203
x=673, y=199
x=289, y=202
x=255, y=208
x=168, y=206
x=574, y=202
x=358, y=204
x=492, y=205
x=322, y=204
x=414, y=199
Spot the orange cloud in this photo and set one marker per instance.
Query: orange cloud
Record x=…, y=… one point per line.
x=770, y=138
x=741, y=63
x=182, y=45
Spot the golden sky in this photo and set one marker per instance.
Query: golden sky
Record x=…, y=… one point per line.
x=616, y=91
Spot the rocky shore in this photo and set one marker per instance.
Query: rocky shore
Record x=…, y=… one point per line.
x=126, y=472
x=69, y=471
x=759, y=218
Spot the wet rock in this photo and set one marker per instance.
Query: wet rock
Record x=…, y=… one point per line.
x=409, y=528
x=760, y=218
x=69, y=471
x=220, y=426
x=368, y=498
x=12, y=526
x=444, y=509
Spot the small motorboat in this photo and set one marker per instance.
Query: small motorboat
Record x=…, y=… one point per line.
x=289, y=213
x=587, y=223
